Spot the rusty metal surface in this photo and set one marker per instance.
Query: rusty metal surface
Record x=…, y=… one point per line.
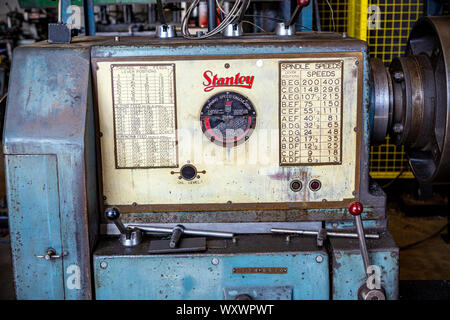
x=132, y=273
x=47, y=114
x=347, y=267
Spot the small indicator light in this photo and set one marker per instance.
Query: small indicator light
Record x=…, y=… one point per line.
x=315, y=185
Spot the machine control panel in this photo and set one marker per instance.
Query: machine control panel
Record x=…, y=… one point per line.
x=230, y=130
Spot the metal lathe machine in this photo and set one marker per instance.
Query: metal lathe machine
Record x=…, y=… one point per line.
x=220, y=165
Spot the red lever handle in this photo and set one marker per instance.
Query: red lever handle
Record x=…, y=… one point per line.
x=303, y=3
x=355, y=208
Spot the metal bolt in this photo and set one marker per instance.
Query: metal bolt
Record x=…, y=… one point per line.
x=103, y=264
x=398, y=128
x=335, y=225
x=288, y=238
x=234, y=240
x=344, y=34
x=399, y=76
x=116, y=39
x=319, y=259
x=215, y=261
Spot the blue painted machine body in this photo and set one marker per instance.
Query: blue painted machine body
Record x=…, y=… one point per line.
x=55, y=199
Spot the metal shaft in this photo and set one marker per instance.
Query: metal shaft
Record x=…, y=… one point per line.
x=186, y=231
x=60, y=11
x=176, y=236
x=211, y=14
x=362, y=241
x=329, y=233
x=119, y=224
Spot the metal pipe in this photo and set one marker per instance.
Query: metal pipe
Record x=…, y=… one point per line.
x=329, y=233
x=352, y=235
x=211, y=14
x=120, y=226
x=362, y=242
x=89, y=17
x=60, y=10
x=186, y=231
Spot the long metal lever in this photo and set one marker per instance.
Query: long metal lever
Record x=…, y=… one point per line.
x=322, y=234
x=329, y=233
x=193, y=232
x=365, y=292
x=132, y=234
x=298, y=9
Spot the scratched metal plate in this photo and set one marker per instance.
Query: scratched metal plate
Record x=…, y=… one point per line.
x=249, y=173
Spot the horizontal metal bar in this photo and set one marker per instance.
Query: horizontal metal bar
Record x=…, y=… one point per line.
x=329, y=233
x=186, y=231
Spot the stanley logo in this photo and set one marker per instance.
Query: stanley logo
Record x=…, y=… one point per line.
x=213, y=81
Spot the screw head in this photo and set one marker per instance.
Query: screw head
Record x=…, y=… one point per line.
x=319, y=259
x=399, y=76
x=103, y=264
x=215, y=261
x=397, y=128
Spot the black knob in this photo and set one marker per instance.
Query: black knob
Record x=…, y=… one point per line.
x=112, y=213
x=243, y=297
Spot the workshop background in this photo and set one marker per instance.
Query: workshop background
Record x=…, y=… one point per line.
x=417, y=214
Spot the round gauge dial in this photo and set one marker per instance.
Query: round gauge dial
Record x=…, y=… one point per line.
x=228, y=119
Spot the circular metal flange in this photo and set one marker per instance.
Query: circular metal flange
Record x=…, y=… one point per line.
x=283, y=30
x=364, y=293
x=382, y=100
x=132, y=239
x=421, y=118
x=166, y=31
x=233, y=30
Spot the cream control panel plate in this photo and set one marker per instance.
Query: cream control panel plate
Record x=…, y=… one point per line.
x=230, y=131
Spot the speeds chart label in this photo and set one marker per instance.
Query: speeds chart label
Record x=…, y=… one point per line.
x=310, y=112
x=144, y=116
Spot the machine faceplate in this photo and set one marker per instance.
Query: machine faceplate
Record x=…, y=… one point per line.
x=252, y=172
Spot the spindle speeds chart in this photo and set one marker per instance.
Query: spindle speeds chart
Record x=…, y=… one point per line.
x=310, y=112
x=144, y=116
